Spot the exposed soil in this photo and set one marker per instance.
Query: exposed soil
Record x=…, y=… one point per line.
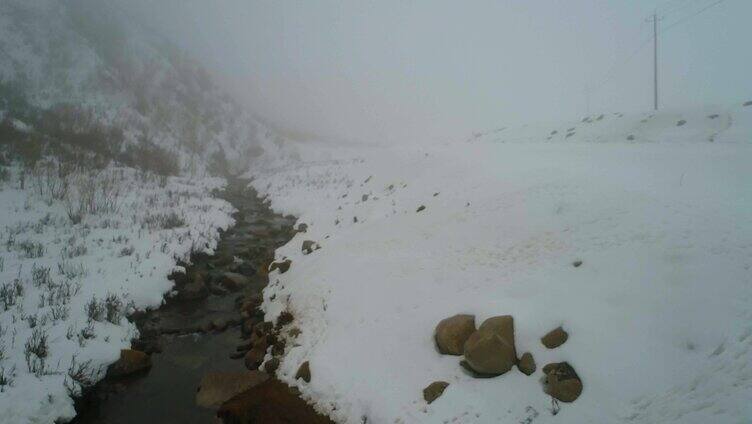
x=188, y=338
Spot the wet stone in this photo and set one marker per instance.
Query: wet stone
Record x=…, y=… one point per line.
x=304, y=372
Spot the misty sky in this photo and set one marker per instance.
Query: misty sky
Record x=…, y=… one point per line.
x=399, y=71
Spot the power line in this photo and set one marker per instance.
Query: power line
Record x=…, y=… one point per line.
x=612, y=71
x=686, y=4
x=685, y=19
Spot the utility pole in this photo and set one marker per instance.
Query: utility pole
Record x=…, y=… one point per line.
x=654, y=19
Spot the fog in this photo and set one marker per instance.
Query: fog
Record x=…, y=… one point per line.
x=395, y=71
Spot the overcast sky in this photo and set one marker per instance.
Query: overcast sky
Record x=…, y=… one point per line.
x=398, y=71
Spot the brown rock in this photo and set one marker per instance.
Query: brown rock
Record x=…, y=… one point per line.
x=271, y=402
x=254, y=358
x=278, y=348
x=562, y=382
x=233, y=281
x=473, y=373
x=263, y=328
x=488, y=353
x=282, y=266
x=130, y=362
x=309, y=246
x=526, y=363
x=219, y=387
x=271, y=365
x=502, y=326
x=251, y=302
x=555, y=338
x=260, y=343
x=248, y=326
x=304, y=372
x=285, y=317
x=452, y=333
x=434, y=390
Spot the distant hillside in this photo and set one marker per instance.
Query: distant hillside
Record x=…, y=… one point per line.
x=85, y=73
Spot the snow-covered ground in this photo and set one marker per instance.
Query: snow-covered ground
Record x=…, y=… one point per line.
x=659, y=314
x=65, y=287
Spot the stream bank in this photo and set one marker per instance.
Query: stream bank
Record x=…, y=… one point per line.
x=208, y=327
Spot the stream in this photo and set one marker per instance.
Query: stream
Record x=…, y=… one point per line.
x=202, y=330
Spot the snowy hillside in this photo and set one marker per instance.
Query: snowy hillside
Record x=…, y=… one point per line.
x=70, y=66
x=653, y=209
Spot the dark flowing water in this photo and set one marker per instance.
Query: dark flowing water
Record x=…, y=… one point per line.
x=179, y=335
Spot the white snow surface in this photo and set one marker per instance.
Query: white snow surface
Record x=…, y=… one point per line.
x=659, y=314
x=126, y=252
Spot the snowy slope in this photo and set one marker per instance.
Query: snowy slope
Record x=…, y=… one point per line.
x=659, y=314
x=89, y=55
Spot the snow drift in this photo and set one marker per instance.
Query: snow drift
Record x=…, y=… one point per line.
x=659, y=313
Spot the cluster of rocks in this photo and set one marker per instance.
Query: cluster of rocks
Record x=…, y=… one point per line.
x=261, y=351
x=490, y=351
x=199, y=284
x=255, y=395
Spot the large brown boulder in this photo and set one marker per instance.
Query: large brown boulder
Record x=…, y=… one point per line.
x=219, y=387
x=491, y=350
x=271, y=402
x=130, y=362
x=555, y=338
x=452, y=333
x=487, y=353
x=502, y=326
x=562, y=382
x=434, y=390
